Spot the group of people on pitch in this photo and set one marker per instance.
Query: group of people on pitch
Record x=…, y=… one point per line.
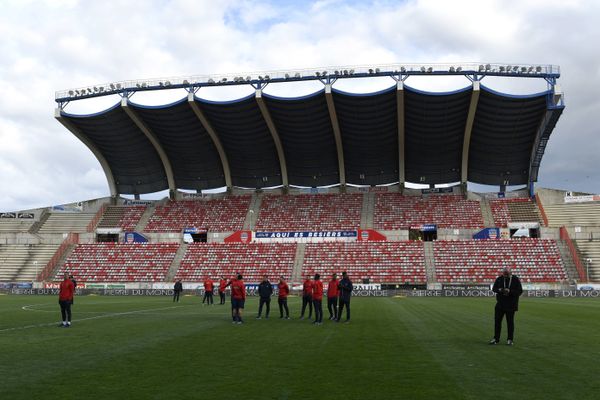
x=338, y=296
x=338, y=292
x=507, y=287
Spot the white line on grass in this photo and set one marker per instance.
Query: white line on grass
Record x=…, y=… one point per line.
x=89, y=318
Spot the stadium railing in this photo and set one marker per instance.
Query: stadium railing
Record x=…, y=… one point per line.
x=564, y=235
x=72, y=238
x=92, y=225
x=542, y=211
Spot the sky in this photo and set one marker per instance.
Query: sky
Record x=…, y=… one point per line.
x=53, y=45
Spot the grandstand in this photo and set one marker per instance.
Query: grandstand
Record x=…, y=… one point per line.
x=319, y=183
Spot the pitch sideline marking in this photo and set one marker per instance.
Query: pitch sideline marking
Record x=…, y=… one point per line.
x=88, y=318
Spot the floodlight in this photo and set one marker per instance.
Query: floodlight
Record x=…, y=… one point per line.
x=458, y=69
x=71, y=93
x=287, y=76
x=317, y=73
x=168, y=83
x=402, y=69
x=377, y=70
x=501, y=68
x=224, y=80
x=488, y=67
x=89, y=90
x=346, y=72
x=370, y=70
x=452, y=69
x=538, y=69
x=211, y=81
x=516, y=68
x=118, y=86
x=481, y=67
x=430, y=70
x=530, y=69
x=324, y=73
x=297, y=75
x=523, y=69
x=423, y=69
x=95, y=89
x=351, y=72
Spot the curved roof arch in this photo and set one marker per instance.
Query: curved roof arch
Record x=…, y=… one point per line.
x=207, y=144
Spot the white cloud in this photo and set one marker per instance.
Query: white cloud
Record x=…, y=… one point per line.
x=54, y=45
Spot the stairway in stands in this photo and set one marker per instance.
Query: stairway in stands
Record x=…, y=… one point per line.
x=176, y=262
x=486, y=213
x=298, y=262
x=429, y=262
x=63, y=222
x=590, y=249
x=567, y=259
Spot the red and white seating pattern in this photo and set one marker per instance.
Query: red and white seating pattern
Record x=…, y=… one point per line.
x=395, y=211
x=310, y=212
x=131, y=217
x=380, y=262
x=217, y=215
x=120, y=262
x=463, y=261
x=252, y=260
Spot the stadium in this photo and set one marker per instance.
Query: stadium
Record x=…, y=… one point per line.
x=375, y=184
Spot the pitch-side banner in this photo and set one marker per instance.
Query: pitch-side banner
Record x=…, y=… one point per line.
x=306, y=236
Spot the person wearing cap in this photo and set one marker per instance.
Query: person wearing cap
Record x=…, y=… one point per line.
x=345, y=287
x=508, y=289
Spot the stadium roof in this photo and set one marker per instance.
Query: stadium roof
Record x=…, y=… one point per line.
x=330, y=137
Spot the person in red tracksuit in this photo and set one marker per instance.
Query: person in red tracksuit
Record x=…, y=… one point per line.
x=222, y=287
x=284, y=291
x=65, y=299
x=307, y=289
x=332, y=296
x=238, y=298
x=208, y=291
x=317, y=296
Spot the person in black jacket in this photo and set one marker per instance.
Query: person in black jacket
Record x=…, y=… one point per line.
x=177, y=289
x=345, y=287
x=265, y=290
x=508, y=289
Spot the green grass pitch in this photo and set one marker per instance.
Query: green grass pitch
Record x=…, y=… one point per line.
x=394, y=348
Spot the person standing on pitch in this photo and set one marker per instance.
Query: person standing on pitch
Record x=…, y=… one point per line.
x=65, y=299
x=508, y=289
x=208, y=291
x=332, y=297
x=307, y=290
x=222, y=287
x=177, y=289
x=345, y=287
x=284, y=291
x=318, y=299
x=238, y=298
x=265, y=290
